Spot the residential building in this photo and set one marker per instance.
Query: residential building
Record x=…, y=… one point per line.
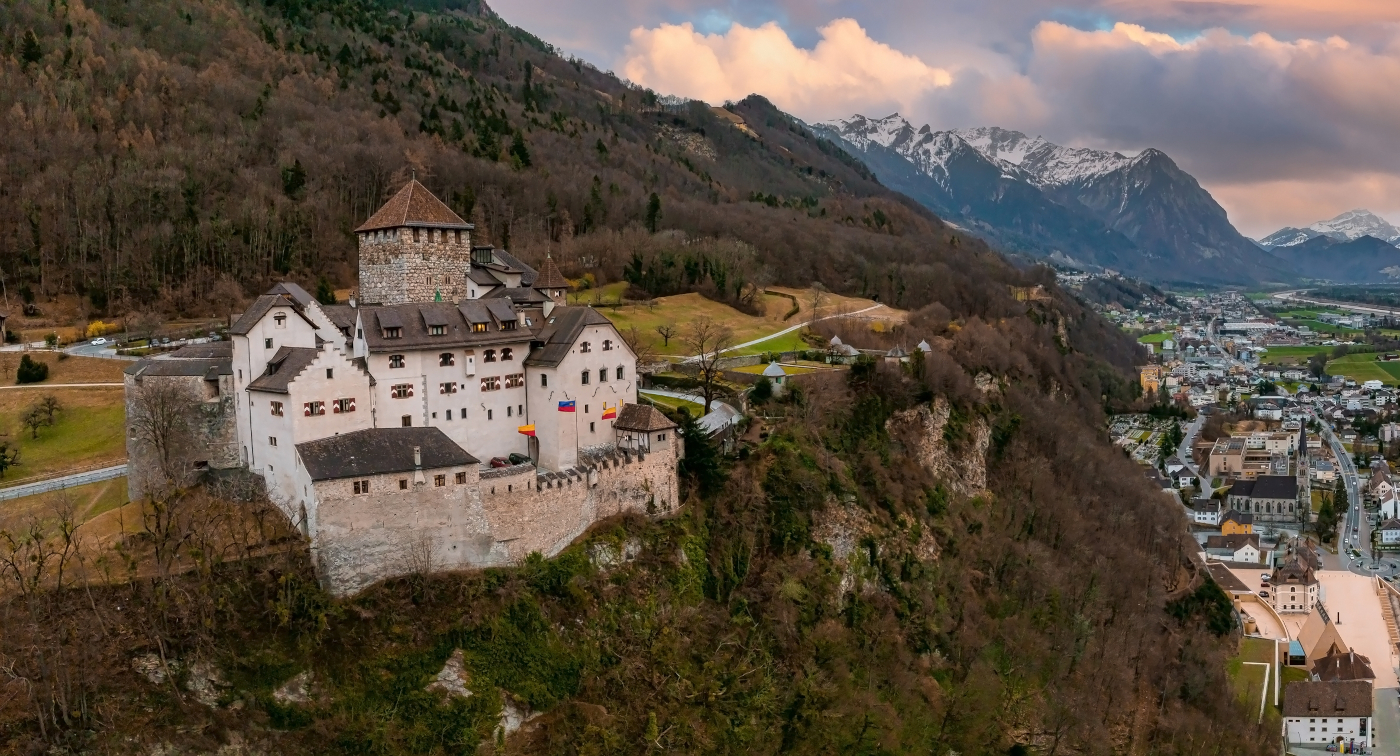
x=1294, y=587
x=1241, y=547
x=1328, y=713
x=1233, y=522
x=1390, y=533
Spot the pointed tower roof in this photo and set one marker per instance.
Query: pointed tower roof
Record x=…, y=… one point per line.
x=414, y=205
x=550, y=277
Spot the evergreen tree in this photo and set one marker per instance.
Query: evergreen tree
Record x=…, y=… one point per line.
x=325, y=294
x=653, y=212
x=293, y=179
x=519, y=153
x=31, y=370
x=701, y=465
x=30, y=52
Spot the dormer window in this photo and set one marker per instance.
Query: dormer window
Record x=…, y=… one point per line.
x=437, y=330
x=393, y=333
x=508, y=325
x=478, y=327
x=490, y=356
x=506, y=355
x=584, y=347
x=447, y=359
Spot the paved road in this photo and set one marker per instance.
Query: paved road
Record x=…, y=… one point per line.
x=1183, y=452
x=67, y=481
x=786, y=331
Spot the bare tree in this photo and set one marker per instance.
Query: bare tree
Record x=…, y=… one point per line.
x=161, y=418
x=49, y=404
x=707, y=341
x=668, y=331
x=632, y=337
x=8, y=457
x=34, y=419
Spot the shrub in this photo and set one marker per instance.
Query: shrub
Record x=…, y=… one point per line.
x=762, y=390
x=31, y=370
x=51, y=340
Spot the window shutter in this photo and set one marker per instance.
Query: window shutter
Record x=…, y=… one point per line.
x=306, y=409
x=352, y=405
x=410, y=389
x=335, y=407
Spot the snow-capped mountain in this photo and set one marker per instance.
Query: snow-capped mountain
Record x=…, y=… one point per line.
x=1348, y=226
x=1093, y=208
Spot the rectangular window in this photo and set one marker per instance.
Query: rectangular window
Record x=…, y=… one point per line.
x=403, y=484
x=461, y=478
x=491, y=383
x=488, y=414
x=396, y=361
x=449, y=414
x=544, y=381
x=437, y=330
x=314, y=408
x=619, y=372
x=447, y=359
x=507, y=354
x=406, y=421
x=393, y=333
x=585, y=409
x=280, y=320
x=402, y=390
x=271, y=440
x=439, y=481
x=586, y=373
x=602, y=375
x=448, y=388
x=276, y=409
x=330, y=373
x=508, y=410
x=361, y=486
x=515, y=380
x=267, y=343
x=345, y=405
x=590, y=427
x=479, y=327
x=508, y=325
x=463, y=413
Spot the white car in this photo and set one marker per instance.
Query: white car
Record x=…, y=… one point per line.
x=99, y=341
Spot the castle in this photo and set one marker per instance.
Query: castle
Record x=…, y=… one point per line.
x=459, y=414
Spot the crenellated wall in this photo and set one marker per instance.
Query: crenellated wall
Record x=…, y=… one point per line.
x=497, y=517
x=414, y=265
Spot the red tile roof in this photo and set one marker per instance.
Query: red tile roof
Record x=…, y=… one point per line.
x=414, y=205
x=550, y=277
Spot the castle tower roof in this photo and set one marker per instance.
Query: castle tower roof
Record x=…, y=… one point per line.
x=414, y=205
x=550, y=277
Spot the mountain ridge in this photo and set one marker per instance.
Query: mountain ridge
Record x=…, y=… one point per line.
x=1348, y=226
x=1089, y=208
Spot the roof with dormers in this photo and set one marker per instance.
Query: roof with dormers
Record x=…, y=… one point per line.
x=414, y=205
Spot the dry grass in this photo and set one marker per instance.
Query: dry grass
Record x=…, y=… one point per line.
x=102, y=508
x=88, y=429
x=66, y=370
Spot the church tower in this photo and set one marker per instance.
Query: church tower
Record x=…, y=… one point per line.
x=414, y=249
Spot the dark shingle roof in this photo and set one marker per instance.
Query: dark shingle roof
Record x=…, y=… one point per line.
x=413, y=205
x=550, y=277
x=1233, y=542
x=1350, y=698
x=380, y=451
x=520, y=295
x=281, y=295
x=1275, y=487
x=413, y=320
x=1295, y=571
x=283, y=368
x=207, y=368
x=527, y=273
x=1239, y=517
x=212, y=350
x=1391, y=524
x=641, y=417
x=1241, y=488
x=1226, y=579
x=1343, y=666
x=559, y=333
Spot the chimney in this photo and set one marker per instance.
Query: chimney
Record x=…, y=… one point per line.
x=418, y=478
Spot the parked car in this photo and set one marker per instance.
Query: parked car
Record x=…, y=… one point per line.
x=1263, y=594
x=500, y=462
x=99, y=341
x=1264, y=576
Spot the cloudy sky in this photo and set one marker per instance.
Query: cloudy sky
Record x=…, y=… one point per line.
x=1288, y=111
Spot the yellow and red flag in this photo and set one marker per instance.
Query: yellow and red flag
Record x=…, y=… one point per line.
x=528, y=430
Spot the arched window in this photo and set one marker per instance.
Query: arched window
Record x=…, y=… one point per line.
x=506, y=355
x=603, y=375
x=396, y=361
x=446, y=359
x=619, y=372
x=490, y=356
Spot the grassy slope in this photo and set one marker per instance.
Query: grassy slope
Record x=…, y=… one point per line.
x=1364, y=367
x=89, y=429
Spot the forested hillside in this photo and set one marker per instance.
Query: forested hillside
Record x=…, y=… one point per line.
x=944, y=558
x=187, y=153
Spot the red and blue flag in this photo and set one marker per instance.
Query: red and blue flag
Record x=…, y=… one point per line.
x=567, y=406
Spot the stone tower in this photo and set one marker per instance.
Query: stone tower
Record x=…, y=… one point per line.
x=414, y=249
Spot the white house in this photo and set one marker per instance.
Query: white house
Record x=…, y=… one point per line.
x=1390, y=532
x=1323, y=713
x=1239, y=547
